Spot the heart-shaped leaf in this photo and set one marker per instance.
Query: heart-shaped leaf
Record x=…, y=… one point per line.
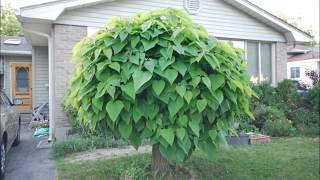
x=108, y=53
x=158, y=86
x=216, y=81
x=125, y=129
x=140, y=78
x=114, y=108
x=170, y=75
x=148, y=44
x=201, y=104
x=168, y=135
x=115, y=66
x=181, y=133
x=207, y=82
x=149, y=65
x=129, y=90
x=218, y=95
x=194, y=125
x=188, y=96
x=213, y=134
x=181, y=90
x=175, y=106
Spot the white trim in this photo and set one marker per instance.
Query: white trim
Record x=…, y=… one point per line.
x=260, y=75
x=9, y=52
x=33, y=78
x=255, y=11
x=273, y=55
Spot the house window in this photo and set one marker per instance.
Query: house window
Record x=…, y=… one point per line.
x=295, y=72
x=1, y=82
x=259, y=59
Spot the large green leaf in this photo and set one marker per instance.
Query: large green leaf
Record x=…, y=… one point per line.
x=175, y=106
x=140, y=78
x=149, y=65
x=125, y=129
x=118, y=46
x=181, y=90
x=194, y=126
x=170, y=75
x=115, y=66
x=108, y=53
x=201, y=104
x=158, y=86
x=217, y=81
x=129, y=90
x=180, y=67
x=188, y=96
x=114, y=108
x=218, y=95
x=207, y=82
x=181, y=133
x=168, y=135
x=148, y=44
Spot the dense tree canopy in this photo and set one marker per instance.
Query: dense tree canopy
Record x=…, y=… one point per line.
x=158, y=76
x=9, y=24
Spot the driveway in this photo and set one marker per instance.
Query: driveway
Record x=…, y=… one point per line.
x=28, y=162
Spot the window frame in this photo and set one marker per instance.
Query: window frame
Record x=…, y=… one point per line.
x=273, y=57
x=293, y=71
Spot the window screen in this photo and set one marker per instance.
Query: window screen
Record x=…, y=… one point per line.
x=266, y=61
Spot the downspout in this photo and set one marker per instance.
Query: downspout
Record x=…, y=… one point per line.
x=51, y=79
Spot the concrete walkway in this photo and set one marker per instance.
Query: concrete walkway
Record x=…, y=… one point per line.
x=109, y=153
x=27, y=162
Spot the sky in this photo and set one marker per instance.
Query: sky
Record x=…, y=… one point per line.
x=308, y=10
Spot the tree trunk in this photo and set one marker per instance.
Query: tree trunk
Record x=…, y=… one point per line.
x=159, y=163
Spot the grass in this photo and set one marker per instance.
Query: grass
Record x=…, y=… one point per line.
x=283, y=158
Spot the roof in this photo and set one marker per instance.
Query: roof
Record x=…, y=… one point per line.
x=14, y=45
x=303, y=53
x=50, y=12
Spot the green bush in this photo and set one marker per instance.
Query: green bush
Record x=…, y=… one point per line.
x=161, y=77
x=312, y=99
x=279, y=127
x=77, y=144
x=306, y=121
x=266, y=93
x=287, y=93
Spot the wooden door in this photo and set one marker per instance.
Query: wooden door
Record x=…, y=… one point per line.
x=22, y=85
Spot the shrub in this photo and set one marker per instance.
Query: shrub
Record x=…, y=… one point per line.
x=159, y=76
x=312, y=99
x=287, y=92
x=314, y=76
x=77, y=144
x=266, y=94
x=306, y=121
x=264, y=113
x=279, y=127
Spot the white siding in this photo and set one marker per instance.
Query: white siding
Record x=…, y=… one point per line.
x=221, y=19
x=8, y=60
x=304, y=65
x=41, y=75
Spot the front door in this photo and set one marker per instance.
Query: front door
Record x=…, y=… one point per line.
x=22, y=85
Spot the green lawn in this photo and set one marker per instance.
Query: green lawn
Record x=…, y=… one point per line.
x=283, y=158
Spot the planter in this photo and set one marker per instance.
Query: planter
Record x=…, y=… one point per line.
x=238, y=140
x=259, y=139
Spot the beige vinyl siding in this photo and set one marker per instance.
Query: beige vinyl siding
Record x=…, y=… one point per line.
x=40, y=75
x=221, y=19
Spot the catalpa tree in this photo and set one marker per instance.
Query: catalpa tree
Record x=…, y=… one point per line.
x=160, y=77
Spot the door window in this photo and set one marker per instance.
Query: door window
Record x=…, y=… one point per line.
x=22, y=79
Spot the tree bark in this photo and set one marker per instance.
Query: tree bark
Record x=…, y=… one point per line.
x=159, y=163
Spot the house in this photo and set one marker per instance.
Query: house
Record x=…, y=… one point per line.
x=16, y=71
x=53, y=28
x=300, y=60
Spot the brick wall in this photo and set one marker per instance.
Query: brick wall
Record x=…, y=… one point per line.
x=281, y=61
x=65, y=37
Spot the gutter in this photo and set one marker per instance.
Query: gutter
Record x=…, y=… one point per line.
x=51, y=79
x=8, y=52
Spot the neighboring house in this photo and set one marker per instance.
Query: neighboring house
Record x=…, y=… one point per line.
x=300, y=60
x=53, y=28
x=16, y=70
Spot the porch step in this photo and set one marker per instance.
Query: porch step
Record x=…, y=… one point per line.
x=25, y=117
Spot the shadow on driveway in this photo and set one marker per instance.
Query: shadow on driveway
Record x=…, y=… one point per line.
x=27, y=162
